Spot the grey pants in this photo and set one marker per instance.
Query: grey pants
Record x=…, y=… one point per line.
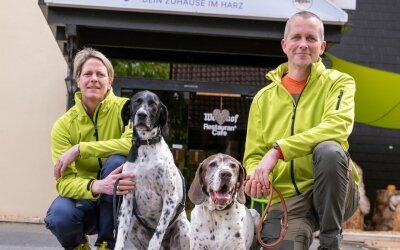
x=332, y=199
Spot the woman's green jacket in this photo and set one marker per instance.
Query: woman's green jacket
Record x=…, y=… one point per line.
x=104, y=135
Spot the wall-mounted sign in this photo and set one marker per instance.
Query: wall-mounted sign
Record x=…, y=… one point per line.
x=247, y=9
x=220, y=122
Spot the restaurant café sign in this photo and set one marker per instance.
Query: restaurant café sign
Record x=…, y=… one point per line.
x=220, y=122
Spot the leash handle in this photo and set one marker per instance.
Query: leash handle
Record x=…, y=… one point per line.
x=284, y=221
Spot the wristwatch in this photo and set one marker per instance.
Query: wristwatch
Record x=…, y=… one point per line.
x=276, y=146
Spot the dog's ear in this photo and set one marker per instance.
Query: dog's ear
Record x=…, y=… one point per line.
x=162, y=121
x=195, y=193
x=126, y=113
x=241, y=198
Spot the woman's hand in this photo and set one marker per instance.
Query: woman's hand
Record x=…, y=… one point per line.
x=106, y=185
x=65, y=160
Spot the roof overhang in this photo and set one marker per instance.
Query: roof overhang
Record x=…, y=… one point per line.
x=248, y=34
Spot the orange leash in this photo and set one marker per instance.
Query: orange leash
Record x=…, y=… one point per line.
x=284, y=221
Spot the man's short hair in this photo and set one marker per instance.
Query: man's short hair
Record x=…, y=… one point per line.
x=305, y=15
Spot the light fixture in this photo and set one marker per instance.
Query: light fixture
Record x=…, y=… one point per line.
x=71, y=85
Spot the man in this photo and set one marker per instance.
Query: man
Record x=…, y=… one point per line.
x=297, y=138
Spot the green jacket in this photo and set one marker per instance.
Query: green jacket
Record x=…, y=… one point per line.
x=76, y=127
x=325, y=111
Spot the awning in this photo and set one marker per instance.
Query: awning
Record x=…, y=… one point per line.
x=222, y=32
x=377, y=94
x=247, y=9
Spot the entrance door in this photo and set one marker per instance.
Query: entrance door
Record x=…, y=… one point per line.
x=217, y=124
x=203, y=124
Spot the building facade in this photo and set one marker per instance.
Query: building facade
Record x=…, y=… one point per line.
x=217, y=63
x=33, y=97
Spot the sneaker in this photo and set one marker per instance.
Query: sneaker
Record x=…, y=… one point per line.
x=103, y=246
x=85, y=246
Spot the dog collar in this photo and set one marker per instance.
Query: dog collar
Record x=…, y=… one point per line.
x=147, y=142
x=137, y=142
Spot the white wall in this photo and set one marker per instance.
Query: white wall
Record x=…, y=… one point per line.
x=32, y=97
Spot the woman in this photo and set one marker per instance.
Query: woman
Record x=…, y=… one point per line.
x=88, y=145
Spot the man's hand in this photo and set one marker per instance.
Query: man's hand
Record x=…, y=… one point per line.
x=65, y=160
x=253, y=188
x=106, y=185
x=257, y=185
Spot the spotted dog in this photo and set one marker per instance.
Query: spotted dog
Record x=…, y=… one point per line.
x=157, y=203
x=220, y=220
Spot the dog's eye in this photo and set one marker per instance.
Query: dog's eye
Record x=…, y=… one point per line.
x=212, y=165
x=137, y=102
x=232, y=165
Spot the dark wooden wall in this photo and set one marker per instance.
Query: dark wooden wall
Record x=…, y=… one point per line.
x=373, y=40
x=377, y=151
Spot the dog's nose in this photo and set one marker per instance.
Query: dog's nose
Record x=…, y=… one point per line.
x=225, y=175
x=141, y=116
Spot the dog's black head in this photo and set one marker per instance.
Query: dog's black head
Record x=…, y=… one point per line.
x=148, y=112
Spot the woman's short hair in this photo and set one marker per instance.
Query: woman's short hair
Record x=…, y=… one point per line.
x=85, y=54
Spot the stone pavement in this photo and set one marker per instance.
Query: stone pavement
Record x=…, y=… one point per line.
x=29, y=236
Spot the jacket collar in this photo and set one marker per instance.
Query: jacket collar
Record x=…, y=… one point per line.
x=276, y=75
x=105, y=104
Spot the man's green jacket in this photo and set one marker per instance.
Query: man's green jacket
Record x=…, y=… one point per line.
x=98, y=138
x=324, y=111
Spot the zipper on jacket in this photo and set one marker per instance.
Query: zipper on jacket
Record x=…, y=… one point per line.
x=292, y=161
x=292, y=133
x=292, y=177
x=339, y=99
x=293, y=117
x=96, y=135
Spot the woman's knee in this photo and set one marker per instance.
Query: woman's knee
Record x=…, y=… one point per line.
x=62, y=214
x=116, y=160
x=112, y=163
